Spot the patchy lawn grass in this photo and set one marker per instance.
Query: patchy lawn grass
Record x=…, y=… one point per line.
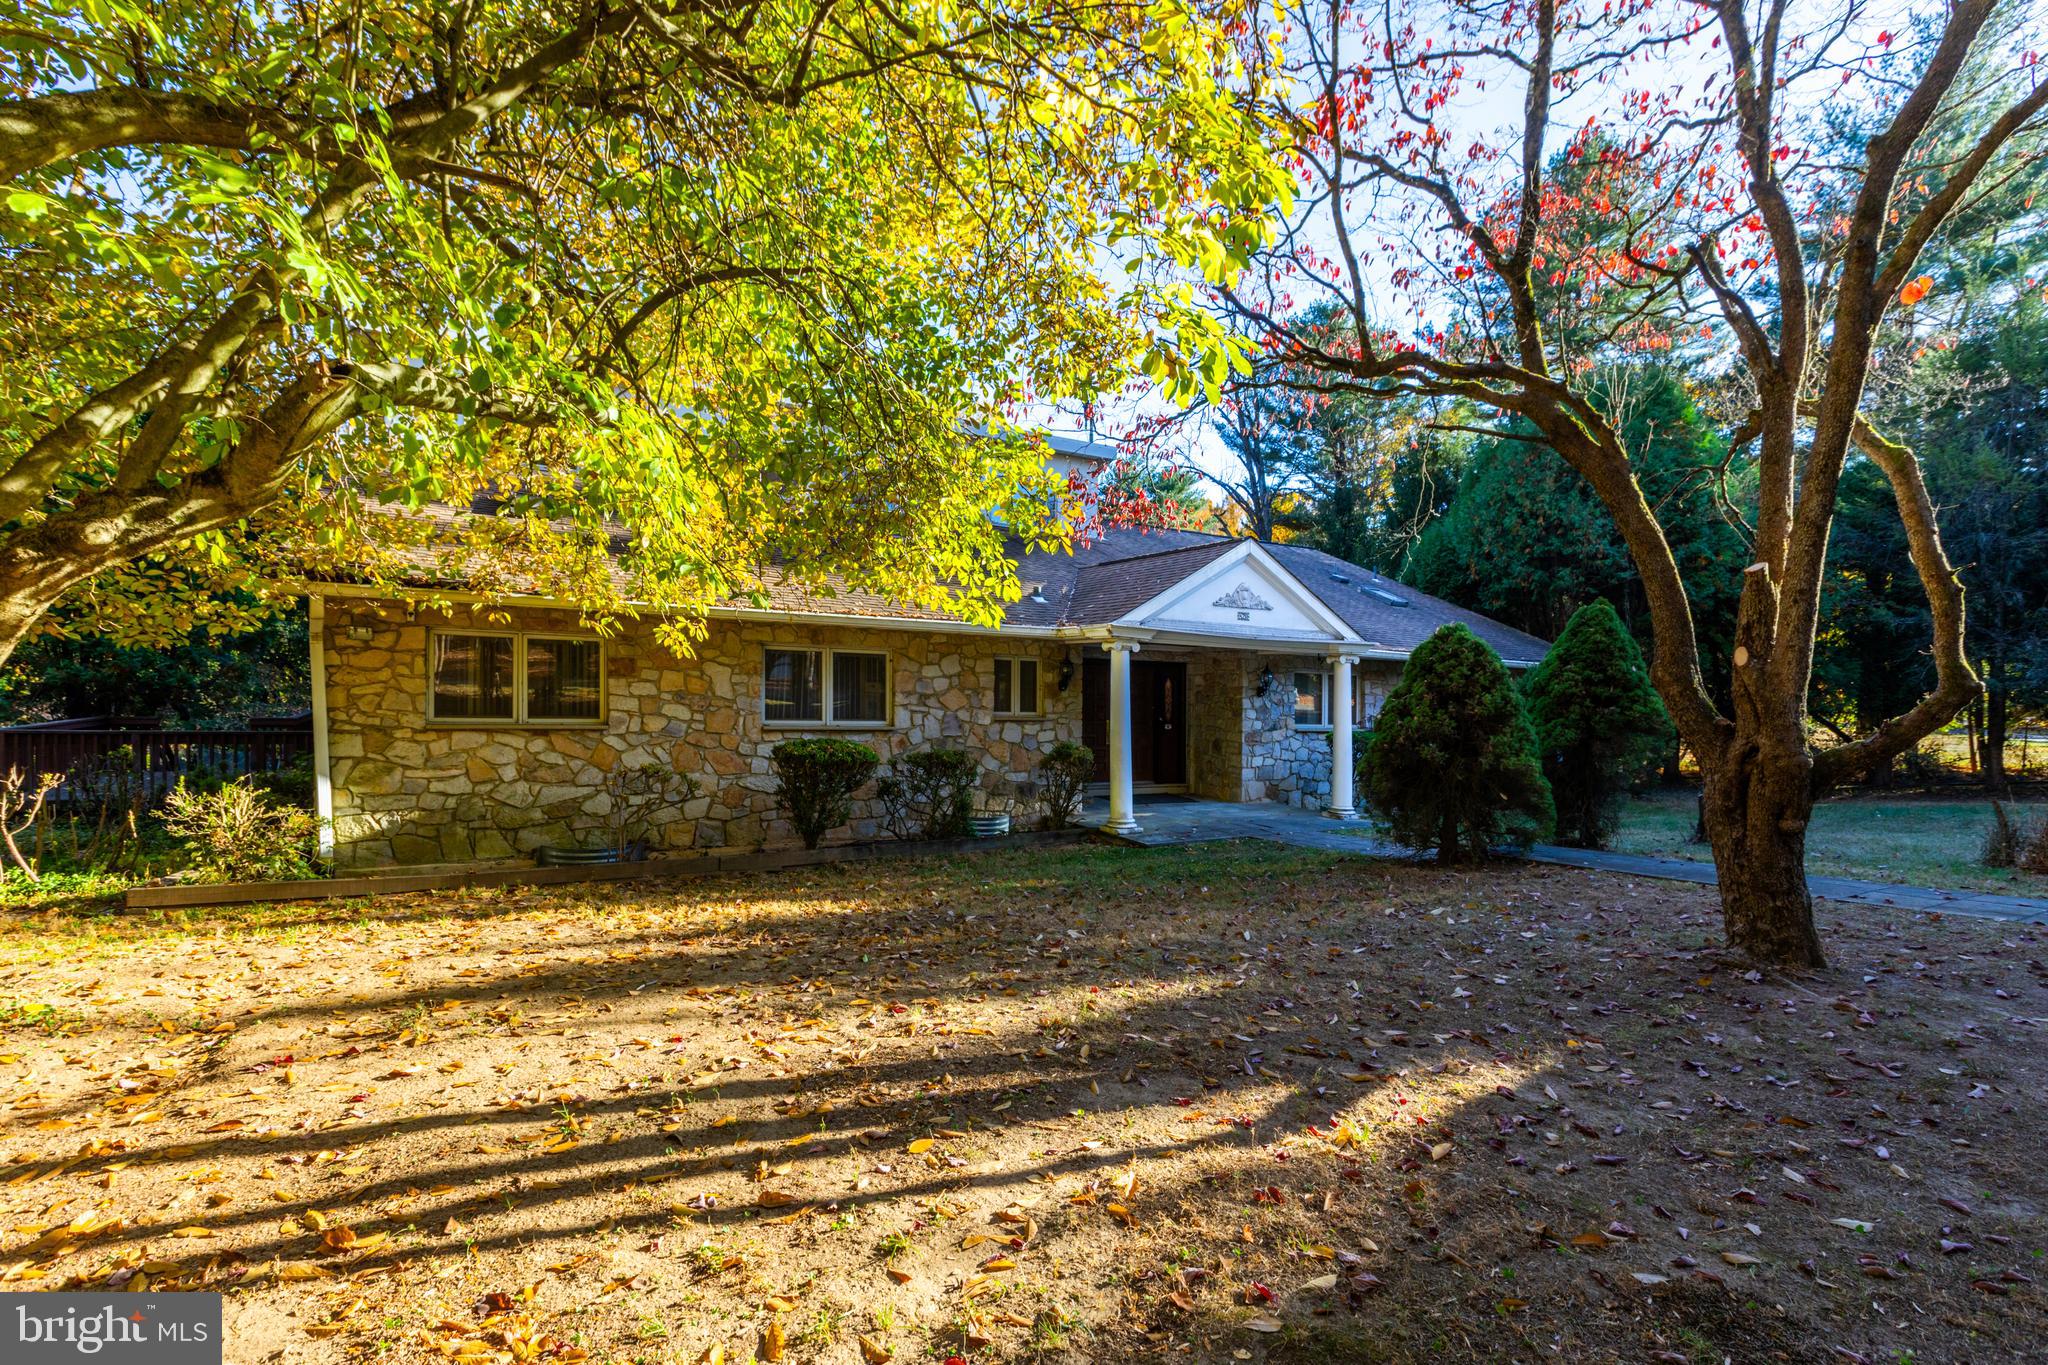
x=1223, y=1103
x=1912, y=840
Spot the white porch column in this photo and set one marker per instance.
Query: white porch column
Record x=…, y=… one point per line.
x=1340, y=807
x=1122, y=816
x=323, y=768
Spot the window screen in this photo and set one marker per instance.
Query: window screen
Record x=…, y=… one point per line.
x=472, y=677
x=1016, y=687
x=564, y=679
x=860, y=687
x=1027, y=687
x=1308, y=698
x=795, y=689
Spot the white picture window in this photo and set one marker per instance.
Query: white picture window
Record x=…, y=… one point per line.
x=825, y=687
x=1311, y=698
x=515, y=679
x=1017, y=687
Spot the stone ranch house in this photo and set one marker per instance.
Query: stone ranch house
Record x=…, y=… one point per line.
x=1226, y=669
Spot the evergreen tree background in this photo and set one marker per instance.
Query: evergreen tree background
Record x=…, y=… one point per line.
x=201, y=680
x=1525, y=540
x=1598, y=722
x=1453, y=765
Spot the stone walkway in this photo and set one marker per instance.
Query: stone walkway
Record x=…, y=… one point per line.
x=1177, y=820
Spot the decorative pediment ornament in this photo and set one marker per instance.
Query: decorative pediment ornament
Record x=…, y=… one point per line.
x=1242, y=598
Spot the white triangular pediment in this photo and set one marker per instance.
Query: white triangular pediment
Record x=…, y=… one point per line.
x=1245, y=593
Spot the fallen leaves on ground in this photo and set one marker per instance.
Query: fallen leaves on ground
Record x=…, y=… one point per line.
x=1105, y=1102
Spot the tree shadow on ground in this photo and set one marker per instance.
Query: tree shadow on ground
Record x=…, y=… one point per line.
x=1482, y=1104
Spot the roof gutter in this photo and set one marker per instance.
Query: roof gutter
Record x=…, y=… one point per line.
x=1078, y=634
x=364, y=591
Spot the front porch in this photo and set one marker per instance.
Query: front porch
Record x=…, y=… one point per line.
x=1222, y=676
x=1227, y=724
x=1164, y=820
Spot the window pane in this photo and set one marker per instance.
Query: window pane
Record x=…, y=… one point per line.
x=1027, y=687
x=564, y=679
x=1308, y=699
x=472, y=677
x=1004, y=695
x=794, y=690
x=860, y=687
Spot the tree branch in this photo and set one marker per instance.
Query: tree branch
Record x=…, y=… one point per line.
x=1956, y=683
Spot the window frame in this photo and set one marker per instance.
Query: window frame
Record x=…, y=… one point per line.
x=519, y=718
x=1359, y=720
x=826, y=654
x=1012, y=662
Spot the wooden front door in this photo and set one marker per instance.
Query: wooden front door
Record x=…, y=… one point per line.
x=1159, y=722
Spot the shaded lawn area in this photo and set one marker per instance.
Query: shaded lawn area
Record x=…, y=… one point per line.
x=1916, y=841
x=1222, y=1103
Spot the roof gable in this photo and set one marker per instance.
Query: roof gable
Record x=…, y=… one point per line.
x=1243, y=591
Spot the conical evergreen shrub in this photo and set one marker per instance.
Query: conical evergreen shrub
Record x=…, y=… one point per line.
x=1452, y=765
x=1598, y=722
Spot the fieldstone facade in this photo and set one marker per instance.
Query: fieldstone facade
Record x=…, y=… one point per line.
x=1289, y=764
x=409, y=790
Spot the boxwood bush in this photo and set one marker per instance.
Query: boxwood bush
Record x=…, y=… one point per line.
x=818, y=778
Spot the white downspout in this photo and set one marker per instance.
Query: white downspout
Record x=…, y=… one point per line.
x=323, y=778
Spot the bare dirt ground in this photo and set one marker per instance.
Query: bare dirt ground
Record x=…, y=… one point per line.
x=1215, y=1104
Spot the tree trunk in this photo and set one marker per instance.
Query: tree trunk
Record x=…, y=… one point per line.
x=1756, y=812
x=1995, y=726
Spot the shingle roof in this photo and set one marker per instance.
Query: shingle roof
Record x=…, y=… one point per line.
x=1114, y=588
x=1120, y=570
x=1104, y=579
x=1343, y=588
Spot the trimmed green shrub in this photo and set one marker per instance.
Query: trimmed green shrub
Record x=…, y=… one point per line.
x=1598, y=722
x=816, y=781
x=1452, y=765
x=1063, y=776
x=930, y=795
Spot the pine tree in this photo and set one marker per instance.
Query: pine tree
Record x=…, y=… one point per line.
x=1452, y=765
x=1597, y=719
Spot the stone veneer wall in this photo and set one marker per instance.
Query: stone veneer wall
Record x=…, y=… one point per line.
x=410, y=791
x=1288, y=765
x=1219, y=681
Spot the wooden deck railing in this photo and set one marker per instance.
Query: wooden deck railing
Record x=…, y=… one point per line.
x=156, y=759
